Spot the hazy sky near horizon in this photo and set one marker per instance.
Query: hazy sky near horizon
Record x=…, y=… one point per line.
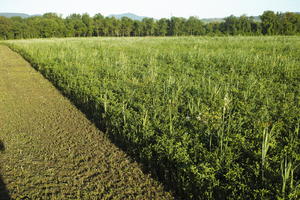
x=151, y=8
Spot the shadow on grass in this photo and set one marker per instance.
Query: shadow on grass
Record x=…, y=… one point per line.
x=151, y=168
x=4, y=195
x=95, y=116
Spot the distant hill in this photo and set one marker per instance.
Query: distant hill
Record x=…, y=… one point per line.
x=209, y=20
x=129, y=15
x=23, y=15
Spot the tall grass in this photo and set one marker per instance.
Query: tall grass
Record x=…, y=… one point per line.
x=208, y=116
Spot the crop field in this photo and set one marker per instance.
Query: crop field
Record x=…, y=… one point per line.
x=210, y=117
x=50, y=150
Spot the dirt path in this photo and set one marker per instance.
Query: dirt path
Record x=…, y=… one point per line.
x=51, y=151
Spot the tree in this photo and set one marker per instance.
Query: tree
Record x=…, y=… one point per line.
x=148, y=26
x=137, y=28
x=194, y=26
x=60, y=28
x=126, y=26
x=113, y=26
x=19, y=27
x=5, y=28
x=269, y=21
x=244, y=25
x=289, y=23
x=32, y=27
x=298, y=23
x=230, y=26
x=256, y=28
x=162, y=27
x=176, y=26
x=89, y=24
x=213, y=28
x=76, y=26
x=100, y=28
x=47, y=28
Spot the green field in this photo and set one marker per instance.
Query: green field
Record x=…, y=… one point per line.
x=50, y=150
x=211, y=117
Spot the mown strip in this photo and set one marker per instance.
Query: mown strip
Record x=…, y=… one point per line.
x=51, y=150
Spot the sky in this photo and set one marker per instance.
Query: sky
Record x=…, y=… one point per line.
x=151, y=8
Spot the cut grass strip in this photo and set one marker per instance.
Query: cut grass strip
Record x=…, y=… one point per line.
x=52, y=151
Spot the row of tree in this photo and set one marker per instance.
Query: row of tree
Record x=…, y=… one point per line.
x=76, y=25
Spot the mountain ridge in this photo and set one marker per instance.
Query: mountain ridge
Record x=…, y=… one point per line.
x=23, y=15
x=129, y=15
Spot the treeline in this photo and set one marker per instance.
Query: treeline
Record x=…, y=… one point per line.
x=76, y=25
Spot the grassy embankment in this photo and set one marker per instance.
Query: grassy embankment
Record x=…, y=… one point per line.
x=211, y=117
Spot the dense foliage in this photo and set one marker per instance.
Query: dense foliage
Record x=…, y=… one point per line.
x=76, y=25
x=214, y=118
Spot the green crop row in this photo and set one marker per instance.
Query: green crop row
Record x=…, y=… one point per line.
x=213, y=118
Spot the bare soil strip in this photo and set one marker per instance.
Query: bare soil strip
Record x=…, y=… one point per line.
x=51, y=151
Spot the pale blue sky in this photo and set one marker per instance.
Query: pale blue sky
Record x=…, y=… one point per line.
x=151, y=8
